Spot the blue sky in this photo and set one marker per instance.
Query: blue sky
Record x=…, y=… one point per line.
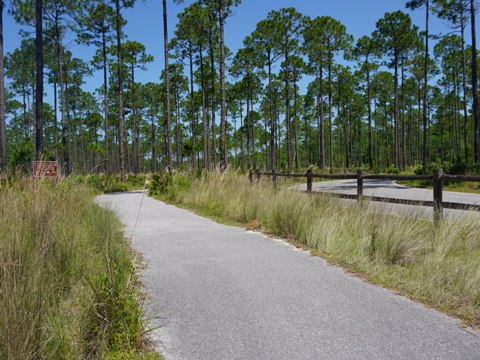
x=145, y=24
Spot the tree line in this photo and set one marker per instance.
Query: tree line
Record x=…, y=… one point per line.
x=380, y=101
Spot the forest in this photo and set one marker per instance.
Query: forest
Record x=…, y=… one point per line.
x=387, y=101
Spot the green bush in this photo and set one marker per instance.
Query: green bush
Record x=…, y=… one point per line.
x=457, y=168
x=418, y=170
x=21, y=155
x=474, y=169
x=386, y=170
x=167, y=185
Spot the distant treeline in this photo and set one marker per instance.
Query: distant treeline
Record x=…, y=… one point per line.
x=391, y=99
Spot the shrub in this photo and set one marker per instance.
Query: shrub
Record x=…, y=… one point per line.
x=457, y=168
x=418, y=170
x=168, y=185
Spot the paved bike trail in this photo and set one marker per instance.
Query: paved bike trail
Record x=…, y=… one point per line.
x=220, y=292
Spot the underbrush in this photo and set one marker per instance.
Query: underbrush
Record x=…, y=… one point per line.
x=67, y=284
x=110, y=183
x=168, y=185
x=437, y=265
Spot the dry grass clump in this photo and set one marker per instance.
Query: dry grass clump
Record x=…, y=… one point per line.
x=66, y=276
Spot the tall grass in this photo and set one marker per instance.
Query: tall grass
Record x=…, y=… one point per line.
x=67, y=287
x=440, y=266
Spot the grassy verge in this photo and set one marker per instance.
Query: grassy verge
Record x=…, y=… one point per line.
x=439, y=266
x=67, y=283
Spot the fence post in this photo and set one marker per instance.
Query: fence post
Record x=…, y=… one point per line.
x=437, y=196
x=309, y=180
x=274, y=178
x=250, y=175
x=258, y=175
x=359, y=185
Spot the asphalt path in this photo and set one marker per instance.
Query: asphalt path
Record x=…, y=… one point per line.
x=221, y=292
x=390, y=189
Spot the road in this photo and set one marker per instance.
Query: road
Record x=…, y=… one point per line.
x=221, y=292
x=390, y=189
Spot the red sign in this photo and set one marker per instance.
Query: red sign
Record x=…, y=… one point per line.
x=45, y=169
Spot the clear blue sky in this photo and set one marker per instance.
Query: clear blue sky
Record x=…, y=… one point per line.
x=145, y=24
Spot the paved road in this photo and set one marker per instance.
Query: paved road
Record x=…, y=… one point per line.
x=220, y=292
x=390, y=189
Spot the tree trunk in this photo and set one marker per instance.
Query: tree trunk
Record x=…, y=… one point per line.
x=75, y=142
x=347, y=140
x=3, y=128
x=242, y=157
x=272, y=117
x=223, y=110
x=464, y=89
x=252, y=132
x=178, y=135
x=339, y=139
x=154, y=146
x=419, y=121
x=234, y=116
x=425, y=91
x=212, y=84
x=265, y=128
x=330, y=138
x=192, y=106
x=387, y=150
x=55, y=119
x=370, y=131
x=401, y=151
x=61, y=76
x=167, y=89
x=396, y=144
x=295, y=119
x=307, y=143
x=475, y=85
x=121, y=142
x=105, y=100
x=320, y=146
x=321, y=126
x=278, y=132
x=82, y=143
x=287, y=114
x=409, y=136
x=136, y=130
x=68, y=135
x=457, y=118
x=39, y=80
x=206, y=140
x=249, y=124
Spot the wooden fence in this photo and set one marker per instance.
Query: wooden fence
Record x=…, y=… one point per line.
x=438, y=178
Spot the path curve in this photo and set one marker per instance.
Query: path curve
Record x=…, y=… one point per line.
x=390, y=189
x=220, y=292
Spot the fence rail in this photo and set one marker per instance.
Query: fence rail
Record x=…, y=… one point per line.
x=438, y=178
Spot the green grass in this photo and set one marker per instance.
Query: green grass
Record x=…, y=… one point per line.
x=68, y=288
x=439, y=266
